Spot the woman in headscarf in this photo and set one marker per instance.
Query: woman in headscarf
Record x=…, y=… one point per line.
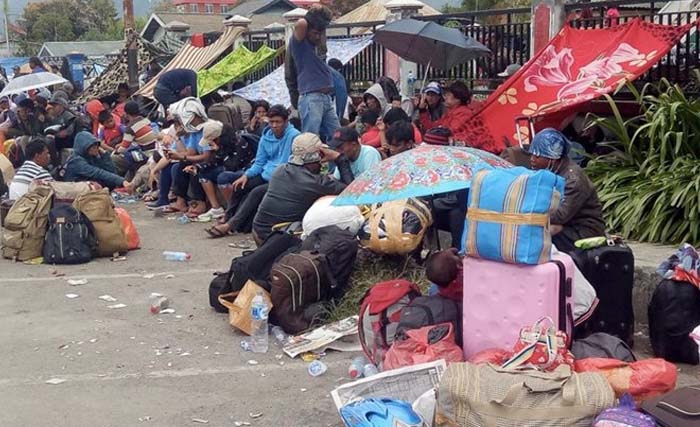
x=580, y=214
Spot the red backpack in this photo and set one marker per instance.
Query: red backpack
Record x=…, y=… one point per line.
x=380, y=313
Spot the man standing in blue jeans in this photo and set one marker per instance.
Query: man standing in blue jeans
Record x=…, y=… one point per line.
x=314, y=81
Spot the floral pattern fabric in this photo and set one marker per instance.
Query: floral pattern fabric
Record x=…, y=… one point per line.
x=577, y=65
x=272, y=87
x=423, y=171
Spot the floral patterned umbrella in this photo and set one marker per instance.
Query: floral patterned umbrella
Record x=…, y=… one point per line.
x=422, y=171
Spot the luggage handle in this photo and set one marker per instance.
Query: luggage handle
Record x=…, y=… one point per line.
x=542, y=336
x=567, y=387
x=228, y=304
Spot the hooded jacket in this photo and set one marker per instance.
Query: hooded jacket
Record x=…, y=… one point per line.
x=83, y=167
x=272, y=152
x=580, y=209
x=376, y=91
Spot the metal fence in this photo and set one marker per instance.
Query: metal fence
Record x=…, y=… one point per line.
x=507, y=33
x=677, y=65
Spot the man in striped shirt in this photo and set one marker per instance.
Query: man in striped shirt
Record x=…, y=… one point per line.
x=33, y=169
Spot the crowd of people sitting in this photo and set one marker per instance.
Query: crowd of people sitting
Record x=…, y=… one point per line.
x=248, y=165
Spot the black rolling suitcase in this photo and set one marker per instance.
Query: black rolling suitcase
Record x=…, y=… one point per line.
x=610, y=269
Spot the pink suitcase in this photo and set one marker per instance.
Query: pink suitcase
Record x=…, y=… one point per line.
x=500, y=299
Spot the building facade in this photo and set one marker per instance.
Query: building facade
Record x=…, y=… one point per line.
x=205, y=6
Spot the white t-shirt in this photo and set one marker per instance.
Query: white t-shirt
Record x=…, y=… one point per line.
x=28, y=172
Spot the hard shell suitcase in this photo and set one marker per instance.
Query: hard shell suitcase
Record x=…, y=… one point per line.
x=610, y=269
x=499, y=299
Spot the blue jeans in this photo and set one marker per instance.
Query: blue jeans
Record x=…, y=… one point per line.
x=317, y=113
x=164, y=184
x=210, y=174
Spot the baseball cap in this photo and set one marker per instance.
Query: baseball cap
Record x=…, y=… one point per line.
x=433, y=87
x=211, y=129
x=57, y=98
x=342, y=136
x=510, y=70
x=306, y=149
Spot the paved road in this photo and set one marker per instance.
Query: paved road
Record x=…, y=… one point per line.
x=125, y=367
x=122, y=366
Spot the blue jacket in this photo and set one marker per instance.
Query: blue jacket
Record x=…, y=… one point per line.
x=272, y=152
x=82, y=167
x=340, y=91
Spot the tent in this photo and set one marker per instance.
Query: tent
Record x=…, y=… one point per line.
x=116, y=72
x=577, y=65
x=196, y=58
x=235, y=65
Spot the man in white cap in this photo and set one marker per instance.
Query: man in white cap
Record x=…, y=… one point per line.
x=295, y=186
x=510, y=70
x=431, y=108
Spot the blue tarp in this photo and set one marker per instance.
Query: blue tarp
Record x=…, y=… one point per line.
x=13, y=61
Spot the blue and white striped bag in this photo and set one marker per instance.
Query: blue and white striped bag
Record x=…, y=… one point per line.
x=508, y=215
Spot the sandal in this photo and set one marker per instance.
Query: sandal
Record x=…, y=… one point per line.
x=171, y=209
x=215, y=233
x=149, y=198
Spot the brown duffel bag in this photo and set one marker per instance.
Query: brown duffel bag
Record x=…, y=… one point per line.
x=297, y=280
x=473, y=395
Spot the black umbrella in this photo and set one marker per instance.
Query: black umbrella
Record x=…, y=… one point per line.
x=428, y=43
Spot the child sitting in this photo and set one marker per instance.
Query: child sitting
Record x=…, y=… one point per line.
x=444, y=269
x=111, y=130
x=370, y=136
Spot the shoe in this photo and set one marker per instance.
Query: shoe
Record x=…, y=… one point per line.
x=154, y=206
x=211, y=214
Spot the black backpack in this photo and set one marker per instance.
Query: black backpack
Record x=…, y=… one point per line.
x=252, y=265
x=70, y=238
x=602, y=345
x=427, y=311
x=238, y=152
x=674, y=311
x=340, y=249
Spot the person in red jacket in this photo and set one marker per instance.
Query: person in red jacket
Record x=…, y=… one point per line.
x=457, y=97
x=431, y=107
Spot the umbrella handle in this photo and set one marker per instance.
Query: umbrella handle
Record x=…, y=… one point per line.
x=425, y=76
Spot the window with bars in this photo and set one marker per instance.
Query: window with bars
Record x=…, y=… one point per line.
x=209, y=8
x=224, y=8
x=193, y=8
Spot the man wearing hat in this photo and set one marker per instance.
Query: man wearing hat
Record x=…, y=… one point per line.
x=346, y=141
x=431, y=108
x=580, y=214
x=510, y=70
x=60, y=114
x=295, y=186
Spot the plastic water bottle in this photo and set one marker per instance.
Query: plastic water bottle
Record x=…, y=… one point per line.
x=369, y=369
x=357, y=366
x=176, y=256
x=317, y=368
x=159, y=303
x=411, y=80
x=280, y=337
x=183, y=219
x=258, y=312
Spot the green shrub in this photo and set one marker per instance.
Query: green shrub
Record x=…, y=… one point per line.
x=649, y=182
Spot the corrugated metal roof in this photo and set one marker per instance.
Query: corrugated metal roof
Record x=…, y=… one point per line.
x=251, y=7
x=86, y=48
x=374, y=10
x=198, y=22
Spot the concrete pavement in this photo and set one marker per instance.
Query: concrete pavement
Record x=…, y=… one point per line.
x=126, y=367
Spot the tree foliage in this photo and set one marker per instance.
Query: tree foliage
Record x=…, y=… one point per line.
x=68, y=20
